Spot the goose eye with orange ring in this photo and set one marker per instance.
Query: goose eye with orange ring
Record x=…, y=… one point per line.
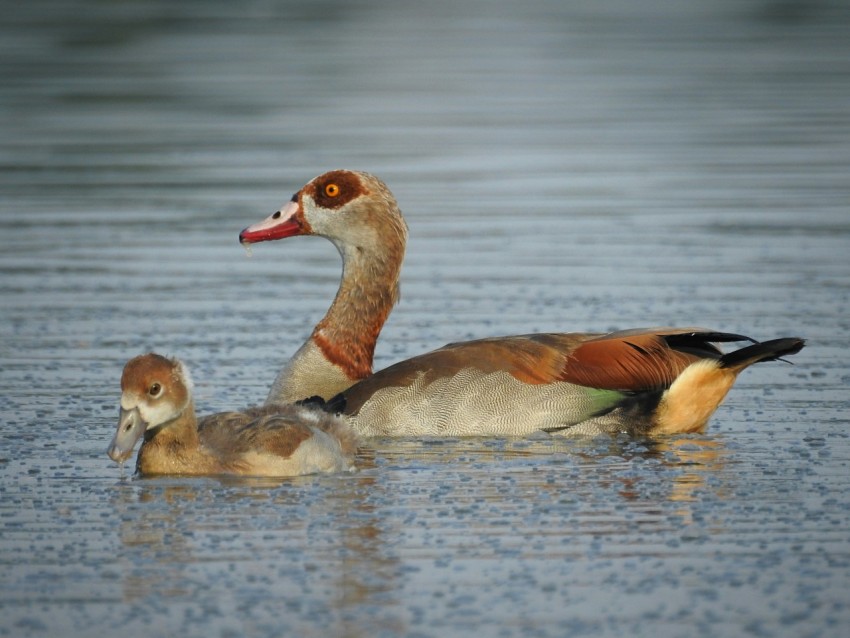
x=331, y=190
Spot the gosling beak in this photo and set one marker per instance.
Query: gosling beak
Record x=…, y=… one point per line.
x=130, y=429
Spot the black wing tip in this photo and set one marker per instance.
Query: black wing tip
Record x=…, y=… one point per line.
x=771, y=350
x=710, y=337
x=334, y=405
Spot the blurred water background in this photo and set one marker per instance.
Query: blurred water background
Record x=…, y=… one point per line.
x=584, y=165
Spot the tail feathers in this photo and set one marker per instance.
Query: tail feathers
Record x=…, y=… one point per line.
x=764, y=351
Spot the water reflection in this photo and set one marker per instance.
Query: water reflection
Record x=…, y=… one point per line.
x=350, y=541
x=254, y=531
x=697, y=458
x=157, y=551
x=685, y=460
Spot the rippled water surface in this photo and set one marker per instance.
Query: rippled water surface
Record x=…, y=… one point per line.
x=562, y=166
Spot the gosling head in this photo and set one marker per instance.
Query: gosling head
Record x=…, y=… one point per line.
x=155, y=390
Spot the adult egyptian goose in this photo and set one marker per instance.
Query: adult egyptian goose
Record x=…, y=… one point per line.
x=359, y=214
x=285, y=440
x=662, y=380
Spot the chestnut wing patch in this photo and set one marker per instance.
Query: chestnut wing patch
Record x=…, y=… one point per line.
x=633, y=363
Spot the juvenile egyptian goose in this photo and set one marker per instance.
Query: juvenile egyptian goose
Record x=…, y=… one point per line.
x=274, y=440
x=662, y=380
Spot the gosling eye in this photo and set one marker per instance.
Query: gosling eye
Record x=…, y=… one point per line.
x=155, y=390
x=332, y=190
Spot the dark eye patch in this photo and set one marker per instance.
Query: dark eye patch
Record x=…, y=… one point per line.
x=349, y=187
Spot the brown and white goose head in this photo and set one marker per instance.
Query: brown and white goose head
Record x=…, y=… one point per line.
x=358, y=213
x=155, y=393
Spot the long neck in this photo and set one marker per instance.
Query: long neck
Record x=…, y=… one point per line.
x=367, y=293
x=339, y=352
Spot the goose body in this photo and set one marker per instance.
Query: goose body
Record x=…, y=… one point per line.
x=633, y=382
x=661, y=380
x=272, y=440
